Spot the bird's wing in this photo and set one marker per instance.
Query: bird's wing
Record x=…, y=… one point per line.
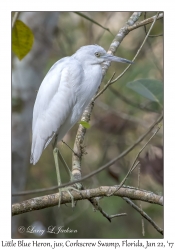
x=55, y=100
x=48, y=89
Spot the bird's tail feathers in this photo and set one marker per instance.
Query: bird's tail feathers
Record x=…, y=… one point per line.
x=37, y=149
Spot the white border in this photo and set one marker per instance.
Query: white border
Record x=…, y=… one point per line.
x=5, y=93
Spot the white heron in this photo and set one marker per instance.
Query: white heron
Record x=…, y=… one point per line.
x=65, y=92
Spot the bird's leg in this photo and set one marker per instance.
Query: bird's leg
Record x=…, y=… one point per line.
x=78, y=185
x=65, y=164
x=58, y=172
x=57, y=157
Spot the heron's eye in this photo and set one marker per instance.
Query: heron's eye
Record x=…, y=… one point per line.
x=97, y=54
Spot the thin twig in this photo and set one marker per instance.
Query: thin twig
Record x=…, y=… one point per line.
x=105, y=87
x=136, y=163
x=123, y=115
x=68, y=146
x=95, y=204
x=140, y=151
x=111, y=82
x=101, y=34
x=142, y=220
x=160, y=230
x=78, y=145
x=138, y=185
x=152, y=51
x=152, y=36
x=143, y=223
x=113, y=47
x=123, y=181
x=93, y=21
x=15, y=18
x=124, y=153
x=128, y=101
x=117, y=215
x=145, y=22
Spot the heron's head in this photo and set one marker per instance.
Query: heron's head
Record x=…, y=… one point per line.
x=95, y=54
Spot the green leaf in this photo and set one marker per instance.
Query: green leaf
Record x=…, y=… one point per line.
x=85, y=124
x=22, y=39
x=149, y=88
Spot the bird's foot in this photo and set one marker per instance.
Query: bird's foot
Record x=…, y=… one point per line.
x=68, y=190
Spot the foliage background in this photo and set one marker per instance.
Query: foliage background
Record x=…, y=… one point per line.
x=108, y=136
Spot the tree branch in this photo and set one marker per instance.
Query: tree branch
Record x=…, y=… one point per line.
x=124, y=153
x=144, y=22
x=131, y=25
x=78, y=145
x=124, y=71
x=123, y=115
x=160, y=230
x=53, y=199
x=135, y=163
x=128, y=101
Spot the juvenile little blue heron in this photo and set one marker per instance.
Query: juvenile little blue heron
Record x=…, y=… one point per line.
x=65, y=92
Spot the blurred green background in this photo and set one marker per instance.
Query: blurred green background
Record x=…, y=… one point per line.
x=119, y=117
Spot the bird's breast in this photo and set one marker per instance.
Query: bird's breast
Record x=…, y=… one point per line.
x=89, y=85
x=93, y=79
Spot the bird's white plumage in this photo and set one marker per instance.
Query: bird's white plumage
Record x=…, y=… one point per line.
x=63, y=95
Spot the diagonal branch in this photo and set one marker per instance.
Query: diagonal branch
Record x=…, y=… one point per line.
x=160, y=230
x=131, y=25
x=124, y=153
x=93, y=21
x=135, y=163
x=144, y=22
x=78, y=145
x=128, y=101
x=124, y=71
